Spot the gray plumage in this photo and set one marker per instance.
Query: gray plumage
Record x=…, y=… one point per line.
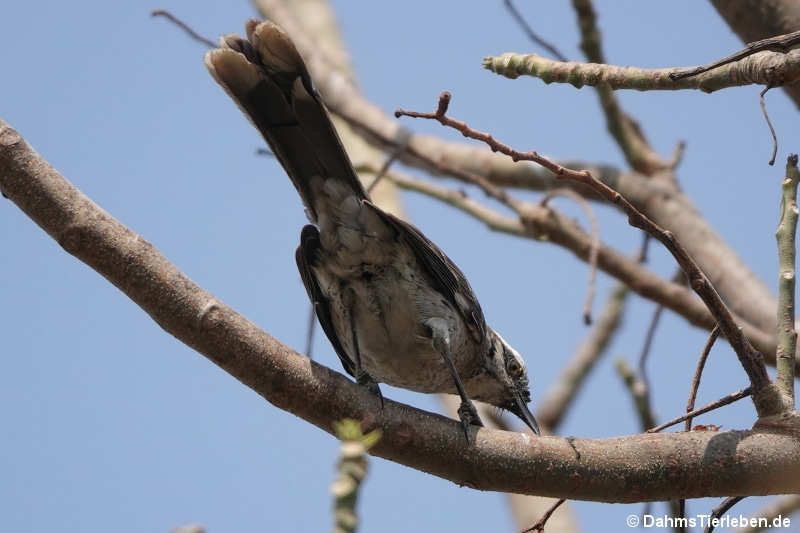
x=392, y=304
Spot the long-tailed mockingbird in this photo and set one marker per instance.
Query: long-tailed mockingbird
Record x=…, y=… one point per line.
x=393, y=305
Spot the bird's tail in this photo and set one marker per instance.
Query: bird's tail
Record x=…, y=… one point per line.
x=267, y=78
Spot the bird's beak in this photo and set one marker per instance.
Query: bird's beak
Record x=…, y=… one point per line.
x=521, y=410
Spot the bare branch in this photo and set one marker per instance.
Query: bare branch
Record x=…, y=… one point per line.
x=593, y=252
x=646, y=347
x=763, y=68
x=638, y=391
x=720, y=510
x=698, y=372
x=779, y=43
x=530, y=33
x=785, y=235
x=539, y=526
x=729, y=399
x=312, y=321
x=779, y=509
x=769, y=124
x=635, y=468
x=623, y=128
x=182, y=25
x=753, y=20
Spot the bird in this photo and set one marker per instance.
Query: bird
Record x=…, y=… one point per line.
x=394, y=307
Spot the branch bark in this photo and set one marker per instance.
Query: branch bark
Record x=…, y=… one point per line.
x=753, y=20
x=762, y=68
x=623, y=469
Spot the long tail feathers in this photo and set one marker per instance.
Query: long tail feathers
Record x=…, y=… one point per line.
x=267, y=78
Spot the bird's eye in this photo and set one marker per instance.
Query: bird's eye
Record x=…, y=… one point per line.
x=514, y=369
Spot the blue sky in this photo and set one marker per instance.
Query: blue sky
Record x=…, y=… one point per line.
x=111, y=423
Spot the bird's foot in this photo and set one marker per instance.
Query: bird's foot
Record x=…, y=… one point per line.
x=366, y=380
x=469, y=417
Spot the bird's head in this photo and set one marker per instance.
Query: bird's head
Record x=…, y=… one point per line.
x=504, y=381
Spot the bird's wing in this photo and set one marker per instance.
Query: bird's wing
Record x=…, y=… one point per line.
x=306, y=255
x=447, y=277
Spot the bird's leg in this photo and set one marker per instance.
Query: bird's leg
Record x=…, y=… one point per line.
x=441, y=341
x=362, y=377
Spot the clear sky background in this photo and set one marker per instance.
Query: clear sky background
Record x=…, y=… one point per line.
x=111, y=424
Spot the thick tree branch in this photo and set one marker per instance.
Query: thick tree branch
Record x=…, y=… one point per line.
x=635, y=468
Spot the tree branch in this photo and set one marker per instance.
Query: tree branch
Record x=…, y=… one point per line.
x=635, y=468
x=625, y=131
x=762, y=68
x=639, y=393
x=785, y=235
x=698, y=373
x=782, y=507
x=753, y=20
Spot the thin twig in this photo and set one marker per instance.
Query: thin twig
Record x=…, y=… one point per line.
x=403, y=138
x=185, y=27
x=779, y=508
x=593, y=251
x=769, y=123
x=532, y=34
x=644, y=355
x=539, y=526
x=563, y=391
x=648, y=343
x=312, y=316
x=638, y=390
x=698, y=372
x=721, y=509
x=623, y=128
x=730, y=398
x=677, y=155
x=644, y=248
x=751, y=359
x=494, y=220
x=779, y=43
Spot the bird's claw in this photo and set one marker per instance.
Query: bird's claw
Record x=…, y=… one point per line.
x=469, y=417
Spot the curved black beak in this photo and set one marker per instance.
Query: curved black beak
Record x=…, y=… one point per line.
x=520, y=408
